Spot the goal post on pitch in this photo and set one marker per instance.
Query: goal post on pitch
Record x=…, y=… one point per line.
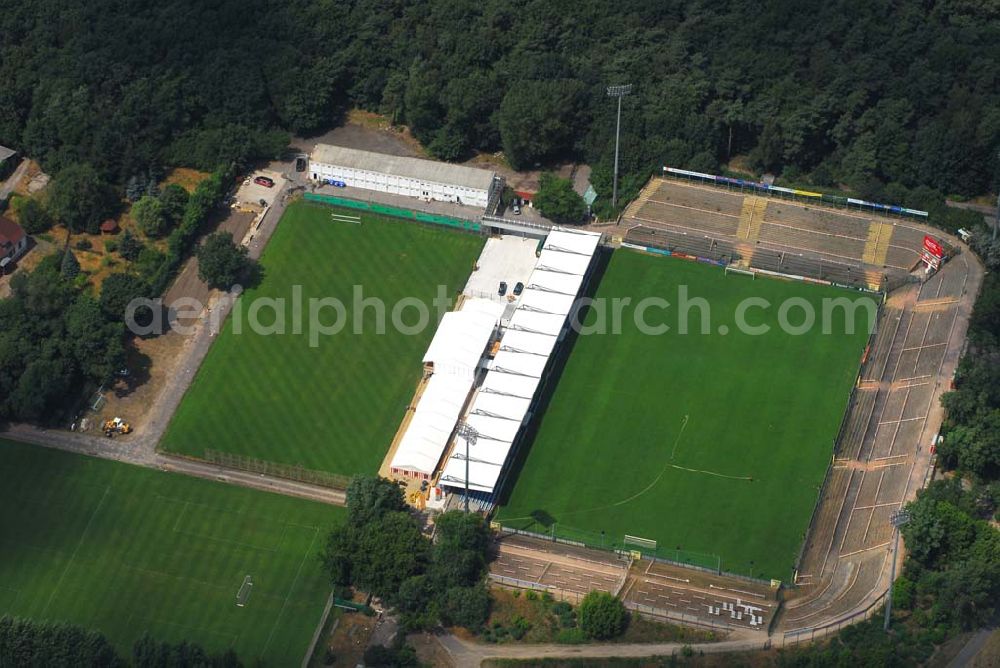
x=733, y=268
x=243, y=595
x=645, y=543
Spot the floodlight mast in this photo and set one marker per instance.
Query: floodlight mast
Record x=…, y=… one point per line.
x=469, y=434
x=898, y=519
x=619, y=91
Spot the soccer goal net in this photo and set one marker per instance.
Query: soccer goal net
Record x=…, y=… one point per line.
x=644, y=543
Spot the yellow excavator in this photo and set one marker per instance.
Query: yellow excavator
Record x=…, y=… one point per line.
x=116, y=426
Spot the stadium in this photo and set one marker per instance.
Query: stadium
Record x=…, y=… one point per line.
x=676, y=444
x=859, y=452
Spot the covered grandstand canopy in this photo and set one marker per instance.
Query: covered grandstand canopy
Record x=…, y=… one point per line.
x=455, y=353
x=461, y=337
x=504, y=399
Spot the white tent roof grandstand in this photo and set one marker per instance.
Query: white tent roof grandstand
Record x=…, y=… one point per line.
x=527, y=342
x=564, y=284
x=537, y=323
x=461, y=337
x=503, y=401
x=515, y=386
x=432, y=423
x=538, y=301
x=456, y=350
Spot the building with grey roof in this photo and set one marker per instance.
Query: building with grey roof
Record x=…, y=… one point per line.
x=413, y=177
x=7, y=161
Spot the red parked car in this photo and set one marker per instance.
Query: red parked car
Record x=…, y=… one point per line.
x=264, y=181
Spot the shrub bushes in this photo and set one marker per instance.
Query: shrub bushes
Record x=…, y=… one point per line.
x=602, y=616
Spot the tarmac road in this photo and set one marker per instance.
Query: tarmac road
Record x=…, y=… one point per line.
x=465, y=653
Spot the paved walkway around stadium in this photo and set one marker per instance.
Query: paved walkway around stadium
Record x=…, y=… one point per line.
x=467, y=653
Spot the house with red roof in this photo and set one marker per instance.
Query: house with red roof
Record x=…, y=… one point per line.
x=13, y=241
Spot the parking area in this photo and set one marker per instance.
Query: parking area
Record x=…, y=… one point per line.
x=504, y=258
x=528, y=214
x=253, y=196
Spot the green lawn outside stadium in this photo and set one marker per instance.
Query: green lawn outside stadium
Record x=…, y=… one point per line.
x=125, y=550
x=641, y=430
x=334, y=407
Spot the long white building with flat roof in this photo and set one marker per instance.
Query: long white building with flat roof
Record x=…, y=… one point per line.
x=412, y=177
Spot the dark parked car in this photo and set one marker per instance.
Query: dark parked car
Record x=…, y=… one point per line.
x=300, y=164
x=503, y=288
x=518, y=289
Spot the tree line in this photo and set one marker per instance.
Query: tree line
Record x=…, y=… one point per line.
x=29, y=643
x=57, y=338
x=382, y=550
x=895, y=100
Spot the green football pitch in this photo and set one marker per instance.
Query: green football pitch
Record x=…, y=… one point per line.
x=334, y=406
x=126, y=550
x=712, y=444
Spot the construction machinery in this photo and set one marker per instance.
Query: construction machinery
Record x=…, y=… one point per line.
x=116, y=426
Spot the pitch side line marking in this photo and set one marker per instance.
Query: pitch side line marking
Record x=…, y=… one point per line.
x=291, y=588
x=720, y=475
x=677, y=440
x=72, y=557
x=634, y=496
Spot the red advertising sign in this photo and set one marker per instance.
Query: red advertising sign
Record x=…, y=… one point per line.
x=933, y=247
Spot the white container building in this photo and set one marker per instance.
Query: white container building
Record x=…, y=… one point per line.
x=412, y=177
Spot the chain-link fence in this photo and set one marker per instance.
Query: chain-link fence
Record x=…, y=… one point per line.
x=555, y=592
x=619, y=544
x=810, y=634
x=288, y=471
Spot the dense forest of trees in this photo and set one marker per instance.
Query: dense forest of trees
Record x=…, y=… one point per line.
x=883, y=97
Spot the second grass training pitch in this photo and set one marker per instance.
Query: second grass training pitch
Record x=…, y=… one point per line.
x=336, y=406
x=127, y=551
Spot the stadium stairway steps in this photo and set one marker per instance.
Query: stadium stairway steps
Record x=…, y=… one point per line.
x=877, y=243
x=746, y=215
x=751, y=217
x=873, y=277
x=756, y=221
x=633, y=209
x=745, y=251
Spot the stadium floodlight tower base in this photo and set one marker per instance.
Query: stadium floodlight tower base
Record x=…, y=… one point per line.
x=469, y=433
x=898, y=519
